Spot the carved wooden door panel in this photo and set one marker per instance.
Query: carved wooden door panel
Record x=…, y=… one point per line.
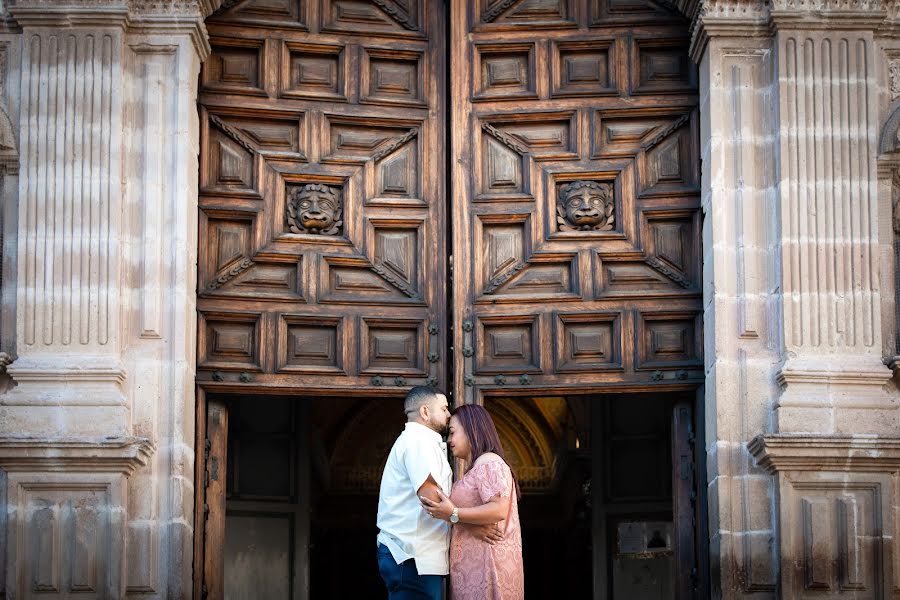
x=576, y=208
x=322, y=196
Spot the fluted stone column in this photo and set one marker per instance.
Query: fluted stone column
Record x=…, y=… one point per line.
x=832, y=443
x=833, y=372
x=97, y=437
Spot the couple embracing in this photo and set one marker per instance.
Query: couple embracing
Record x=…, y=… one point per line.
x=473, y=533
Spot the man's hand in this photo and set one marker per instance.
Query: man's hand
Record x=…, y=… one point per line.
x=489, y=534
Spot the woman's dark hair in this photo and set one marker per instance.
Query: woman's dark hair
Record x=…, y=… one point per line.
x=483, y=438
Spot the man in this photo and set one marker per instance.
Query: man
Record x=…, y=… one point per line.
x=413, y=547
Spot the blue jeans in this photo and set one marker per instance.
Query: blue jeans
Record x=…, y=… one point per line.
x=404, y=582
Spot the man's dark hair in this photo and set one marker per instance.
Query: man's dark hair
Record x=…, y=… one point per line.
x=417, y=397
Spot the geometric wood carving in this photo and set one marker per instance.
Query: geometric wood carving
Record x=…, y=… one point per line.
x=352, y=140
x=667, y=340
x=391, y=77
x=630, y=279
x=229, y=242
x=607, y=12
x=586, y=342
x=275, y=12
x=273, y=137
x=309, y=344
x=235, y=68
x=527, y=13
x=625, y=133
x=275, y=281
x=395, y=17
x=504, y=71
x=662, y=66
x=544, y=136
x=230, y=341
x=671, y=241
x=392, y=346
x=502, y=169
x=583, y=69
x=668, y=162
x=313, y=71
x=539, y=278
x=502, y=249
x=230, y=165
x=396, y=252
x=508, y=343
x=397, y=176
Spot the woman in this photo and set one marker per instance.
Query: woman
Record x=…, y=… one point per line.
x=487, y=493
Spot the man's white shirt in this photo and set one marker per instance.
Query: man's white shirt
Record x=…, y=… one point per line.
x=405, y=528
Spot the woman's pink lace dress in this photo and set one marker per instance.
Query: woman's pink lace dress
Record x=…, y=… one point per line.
x=478, y=570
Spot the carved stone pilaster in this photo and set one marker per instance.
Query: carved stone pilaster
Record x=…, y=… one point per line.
x=838, y=512
x=107, y=247
x=64, y=513
x=832, y=372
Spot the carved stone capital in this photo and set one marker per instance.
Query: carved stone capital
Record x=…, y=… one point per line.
x=142, y=16
x=63, y=13
x=728, y=18
x=830, y=14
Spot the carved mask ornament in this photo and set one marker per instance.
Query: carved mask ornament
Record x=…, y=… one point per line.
x=585, y=206
x=315, y=208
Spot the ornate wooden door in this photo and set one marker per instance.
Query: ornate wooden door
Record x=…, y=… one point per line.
x=326, y=227
x=322, y=196
x=576, y=216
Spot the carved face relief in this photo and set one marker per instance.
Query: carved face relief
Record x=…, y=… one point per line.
x=315, y=208
x=585, y=206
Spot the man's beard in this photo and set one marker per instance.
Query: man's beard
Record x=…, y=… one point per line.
x=437, y=426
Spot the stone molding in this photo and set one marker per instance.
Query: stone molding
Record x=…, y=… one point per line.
x=861, y=379
x=760, y=18
x=170, y=17
x=69, y=455
x=810, y=452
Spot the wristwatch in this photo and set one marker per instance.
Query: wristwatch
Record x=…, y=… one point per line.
x=454, y=516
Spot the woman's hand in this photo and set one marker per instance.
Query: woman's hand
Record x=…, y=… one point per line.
x=439, y=510
x=489, y=534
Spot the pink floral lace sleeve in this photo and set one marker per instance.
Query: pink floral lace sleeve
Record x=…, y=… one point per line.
x=493, y=478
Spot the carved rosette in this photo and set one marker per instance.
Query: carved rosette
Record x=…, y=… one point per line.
x=315, y=208
x=585, y=206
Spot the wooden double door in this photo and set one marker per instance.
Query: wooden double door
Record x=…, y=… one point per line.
x=494, y=197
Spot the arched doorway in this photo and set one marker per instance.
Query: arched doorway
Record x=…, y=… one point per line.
x=497, y=198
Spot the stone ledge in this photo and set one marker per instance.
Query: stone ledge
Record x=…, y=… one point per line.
x=109, y=455
x=810, y=452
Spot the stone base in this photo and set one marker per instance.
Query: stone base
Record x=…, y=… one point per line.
x=837, y=395
x=837, y=512
x=65, y=522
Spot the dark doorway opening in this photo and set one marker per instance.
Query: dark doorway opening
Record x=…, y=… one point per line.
x=597, y=480
x=602, y=509
x=302, y=495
